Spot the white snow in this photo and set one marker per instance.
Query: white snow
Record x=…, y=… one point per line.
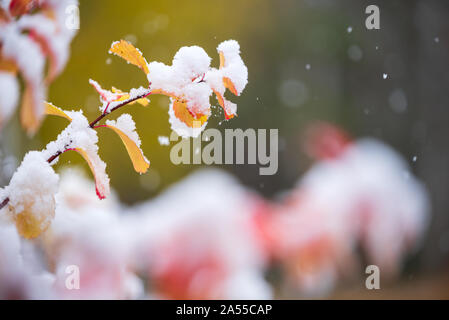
x=234, y=67
x=163, y=140
x=126, y=124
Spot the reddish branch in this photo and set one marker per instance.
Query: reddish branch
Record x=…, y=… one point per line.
x=91, y=125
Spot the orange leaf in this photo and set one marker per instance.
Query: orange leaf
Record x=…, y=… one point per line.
x=140, y=163
x=222, y=103
x=219, y=97
x=50, y=109
x=101, y=187
x=182, y=113
x=228, y=84
x=130, y=53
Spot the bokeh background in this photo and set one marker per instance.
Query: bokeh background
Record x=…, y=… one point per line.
x=308, y=60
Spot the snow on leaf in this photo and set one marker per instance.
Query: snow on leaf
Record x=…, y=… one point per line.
x=106, y=95
x=127, y=51
x=101, y=184
x=125, y=128
x=31, y=193
x=50, y=109
x=182, y=113
x=235, y=73
x=144, y=101
x=78, y=136
x=19, y=7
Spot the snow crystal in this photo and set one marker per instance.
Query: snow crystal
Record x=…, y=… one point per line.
x=31, y=194
x=190, y=62
x=9, y=93
x=163, y=140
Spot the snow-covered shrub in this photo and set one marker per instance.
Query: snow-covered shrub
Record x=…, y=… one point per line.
x=31, y=32
x=192, y=246
x=359, y=193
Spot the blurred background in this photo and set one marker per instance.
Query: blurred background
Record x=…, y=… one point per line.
x=308, y=60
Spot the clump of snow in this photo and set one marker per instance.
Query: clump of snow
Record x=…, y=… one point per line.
x=163, y=140
x=191, y=79
x=234, y=67
x=9, y=93
x=31, y=195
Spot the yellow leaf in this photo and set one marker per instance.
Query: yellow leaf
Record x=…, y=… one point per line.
x=28, y=116
x=140, y=163
x=32, y=221
x=100, y=187
x=50, y=109
x=130, y=53
x=144, y=101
